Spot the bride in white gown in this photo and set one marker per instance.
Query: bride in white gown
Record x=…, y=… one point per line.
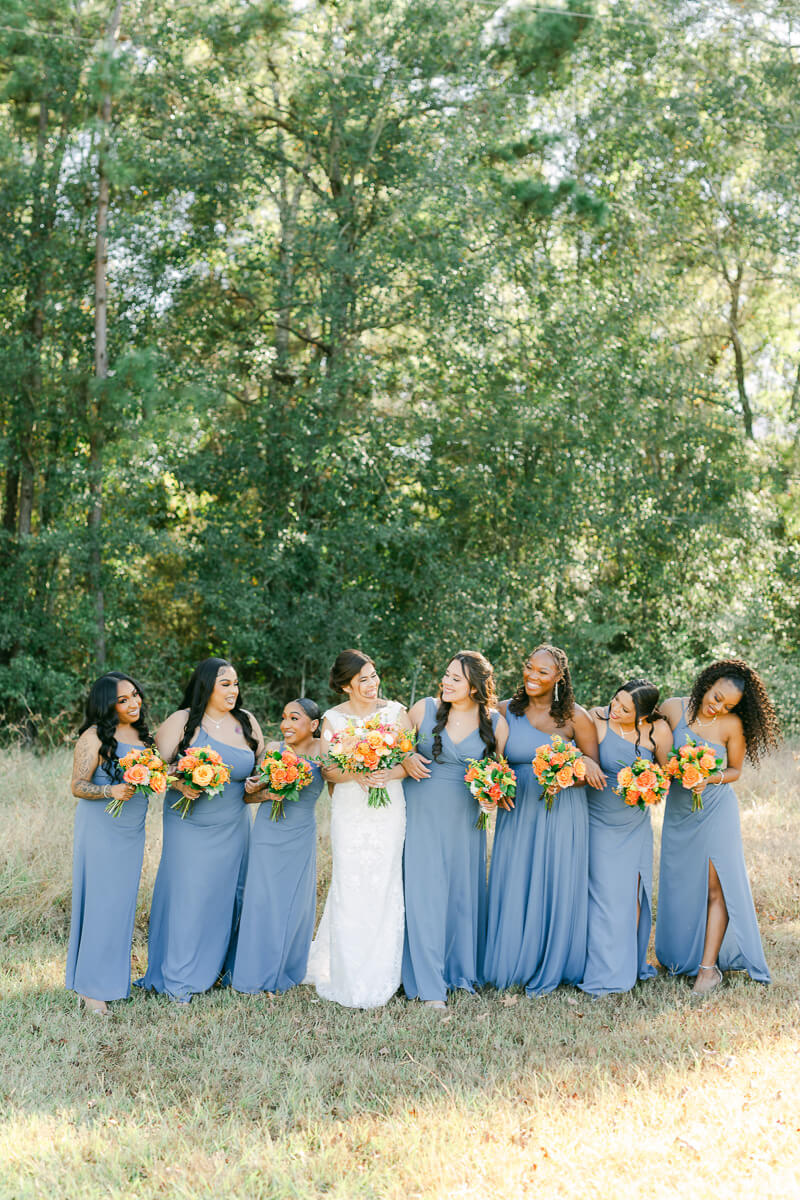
x=357, y=954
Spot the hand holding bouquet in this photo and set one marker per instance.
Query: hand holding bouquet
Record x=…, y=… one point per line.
x=691, y=764
x=145, y=771
x=284, y=775
x=200, y=768
x=371, y=745
x=493, y=784
x=557, y=766
x=642, y=783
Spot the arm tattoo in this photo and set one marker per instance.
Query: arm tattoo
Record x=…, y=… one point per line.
x=84, y=767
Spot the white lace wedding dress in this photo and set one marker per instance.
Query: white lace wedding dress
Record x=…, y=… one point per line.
x=357, y=954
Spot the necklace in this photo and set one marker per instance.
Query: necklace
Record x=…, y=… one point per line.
x=697, y=721
x=218, y=724
x=621, y=731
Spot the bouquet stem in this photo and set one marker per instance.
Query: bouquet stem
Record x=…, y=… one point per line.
x=378, y=797
x=549, y=797
x=183, y=804
x=697, y=801
x=115, y=807
x=276, y=811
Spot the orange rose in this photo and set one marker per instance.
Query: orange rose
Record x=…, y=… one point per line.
x=651, y=797
x=471, y=774
x=579, y=767
x=625, y=777
x=186, y=763
x=708, y=762
x=564, y=776
x=647, y=780
x=686, y=751
x=290, y=774
x=691, y=777
x=158, y=782
x=203, y=774
x=137, y=774
x=406, y=744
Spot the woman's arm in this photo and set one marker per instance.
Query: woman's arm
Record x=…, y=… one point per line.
x=501, y=734
x=254, y=790
x=416, y=766
x=662, y=737
x=85, y=762
x=168, y=738
x=586, y=740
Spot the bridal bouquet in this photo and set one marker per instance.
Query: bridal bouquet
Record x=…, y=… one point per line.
x=371, y=745
x=557, y=766
x=642, y=783
x=203, y=768
x=285, y=776
x=690, y=764
x=493, y=783
x=146, y=771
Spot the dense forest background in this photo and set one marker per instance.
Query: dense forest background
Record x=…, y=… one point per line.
x=396, y=324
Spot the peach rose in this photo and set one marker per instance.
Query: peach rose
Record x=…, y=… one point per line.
x=625, y=777
x=203, y=775
x=686, y=751
x=647, y=780
x=565, y=777
x=291, y=773
x=579, y=767
x=137, y=774
x=691, y=777
x=708, y=762
x=158, y=782
x=651, y=797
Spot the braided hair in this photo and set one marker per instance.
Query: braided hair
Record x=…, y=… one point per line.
x=754, y=708
x=561, y=709
x=645, y=706
x=479, y=674
x=101, y=711
x=197, y=695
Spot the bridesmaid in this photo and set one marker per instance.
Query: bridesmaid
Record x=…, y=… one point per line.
x=108, y=851
x=444, y=864
x=197, y=894
x=539, y=878
x=706, y=921
x=621, y=844
x=280, y=893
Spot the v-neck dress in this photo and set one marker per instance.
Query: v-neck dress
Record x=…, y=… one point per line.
x=620, y=876
x=689, y=842
x=539, y=878
x=106, y=867
x=198, y=889
x=444, y=870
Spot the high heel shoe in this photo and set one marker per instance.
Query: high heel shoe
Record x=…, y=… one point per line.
x=98, y=1008
x=701, y=993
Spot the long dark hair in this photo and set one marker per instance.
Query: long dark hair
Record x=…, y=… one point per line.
x=101, y=711
x=561, y=709
x=346, y=666
x=754, y=709
x=644, y=695
x=479, y=674
x=311, y=710
x=196, y=696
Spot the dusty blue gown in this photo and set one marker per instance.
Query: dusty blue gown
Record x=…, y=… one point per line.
x=538, y=883
x=444, y=871
x=106, y=867
x=620, y=869
x=689, y=841
x=198, y=889
x=280, y=895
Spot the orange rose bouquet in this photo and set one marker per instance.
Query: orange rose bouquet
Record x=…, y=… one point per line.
x=493, y=784
x=690, y=764
x=557, y=766
x=371, y=745
x=203, y=768
x=285, y=776
x=642, y=783
x=147, y=773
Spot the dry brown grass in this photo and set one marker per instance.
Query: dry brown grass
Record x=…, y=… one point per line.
x=642, y=1095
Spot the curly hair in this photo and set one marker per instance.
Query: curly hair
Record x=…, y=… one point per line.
x=101, y=711
x=644, y=695
x=561, y=709
x=479, y=674
x=754, y=708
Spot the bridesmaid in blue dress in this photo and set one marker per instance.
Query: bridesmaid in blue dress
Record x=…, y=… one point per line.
x=198, y=889
x=444, y=862
x=280, y=892
x=621, y=844
x=539, y=878
x=107, y=850
x=706, y=921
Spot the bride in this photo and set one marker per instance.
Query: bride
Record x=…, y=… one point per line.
x=356, y=956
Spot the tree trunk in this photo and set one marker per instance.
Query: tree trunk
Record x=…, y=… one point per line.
x=735, y=286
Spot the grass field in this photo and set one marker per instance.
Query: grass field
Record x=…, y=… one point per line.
x=643, y=1095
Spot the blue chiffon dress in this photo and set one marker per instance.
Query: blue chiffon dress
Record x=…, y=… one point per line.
x=620, y=873
x=280, y=895
x=198, y=889
x=539, y=879
x=444, y=870
x=106, y=868
x=689, y=842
